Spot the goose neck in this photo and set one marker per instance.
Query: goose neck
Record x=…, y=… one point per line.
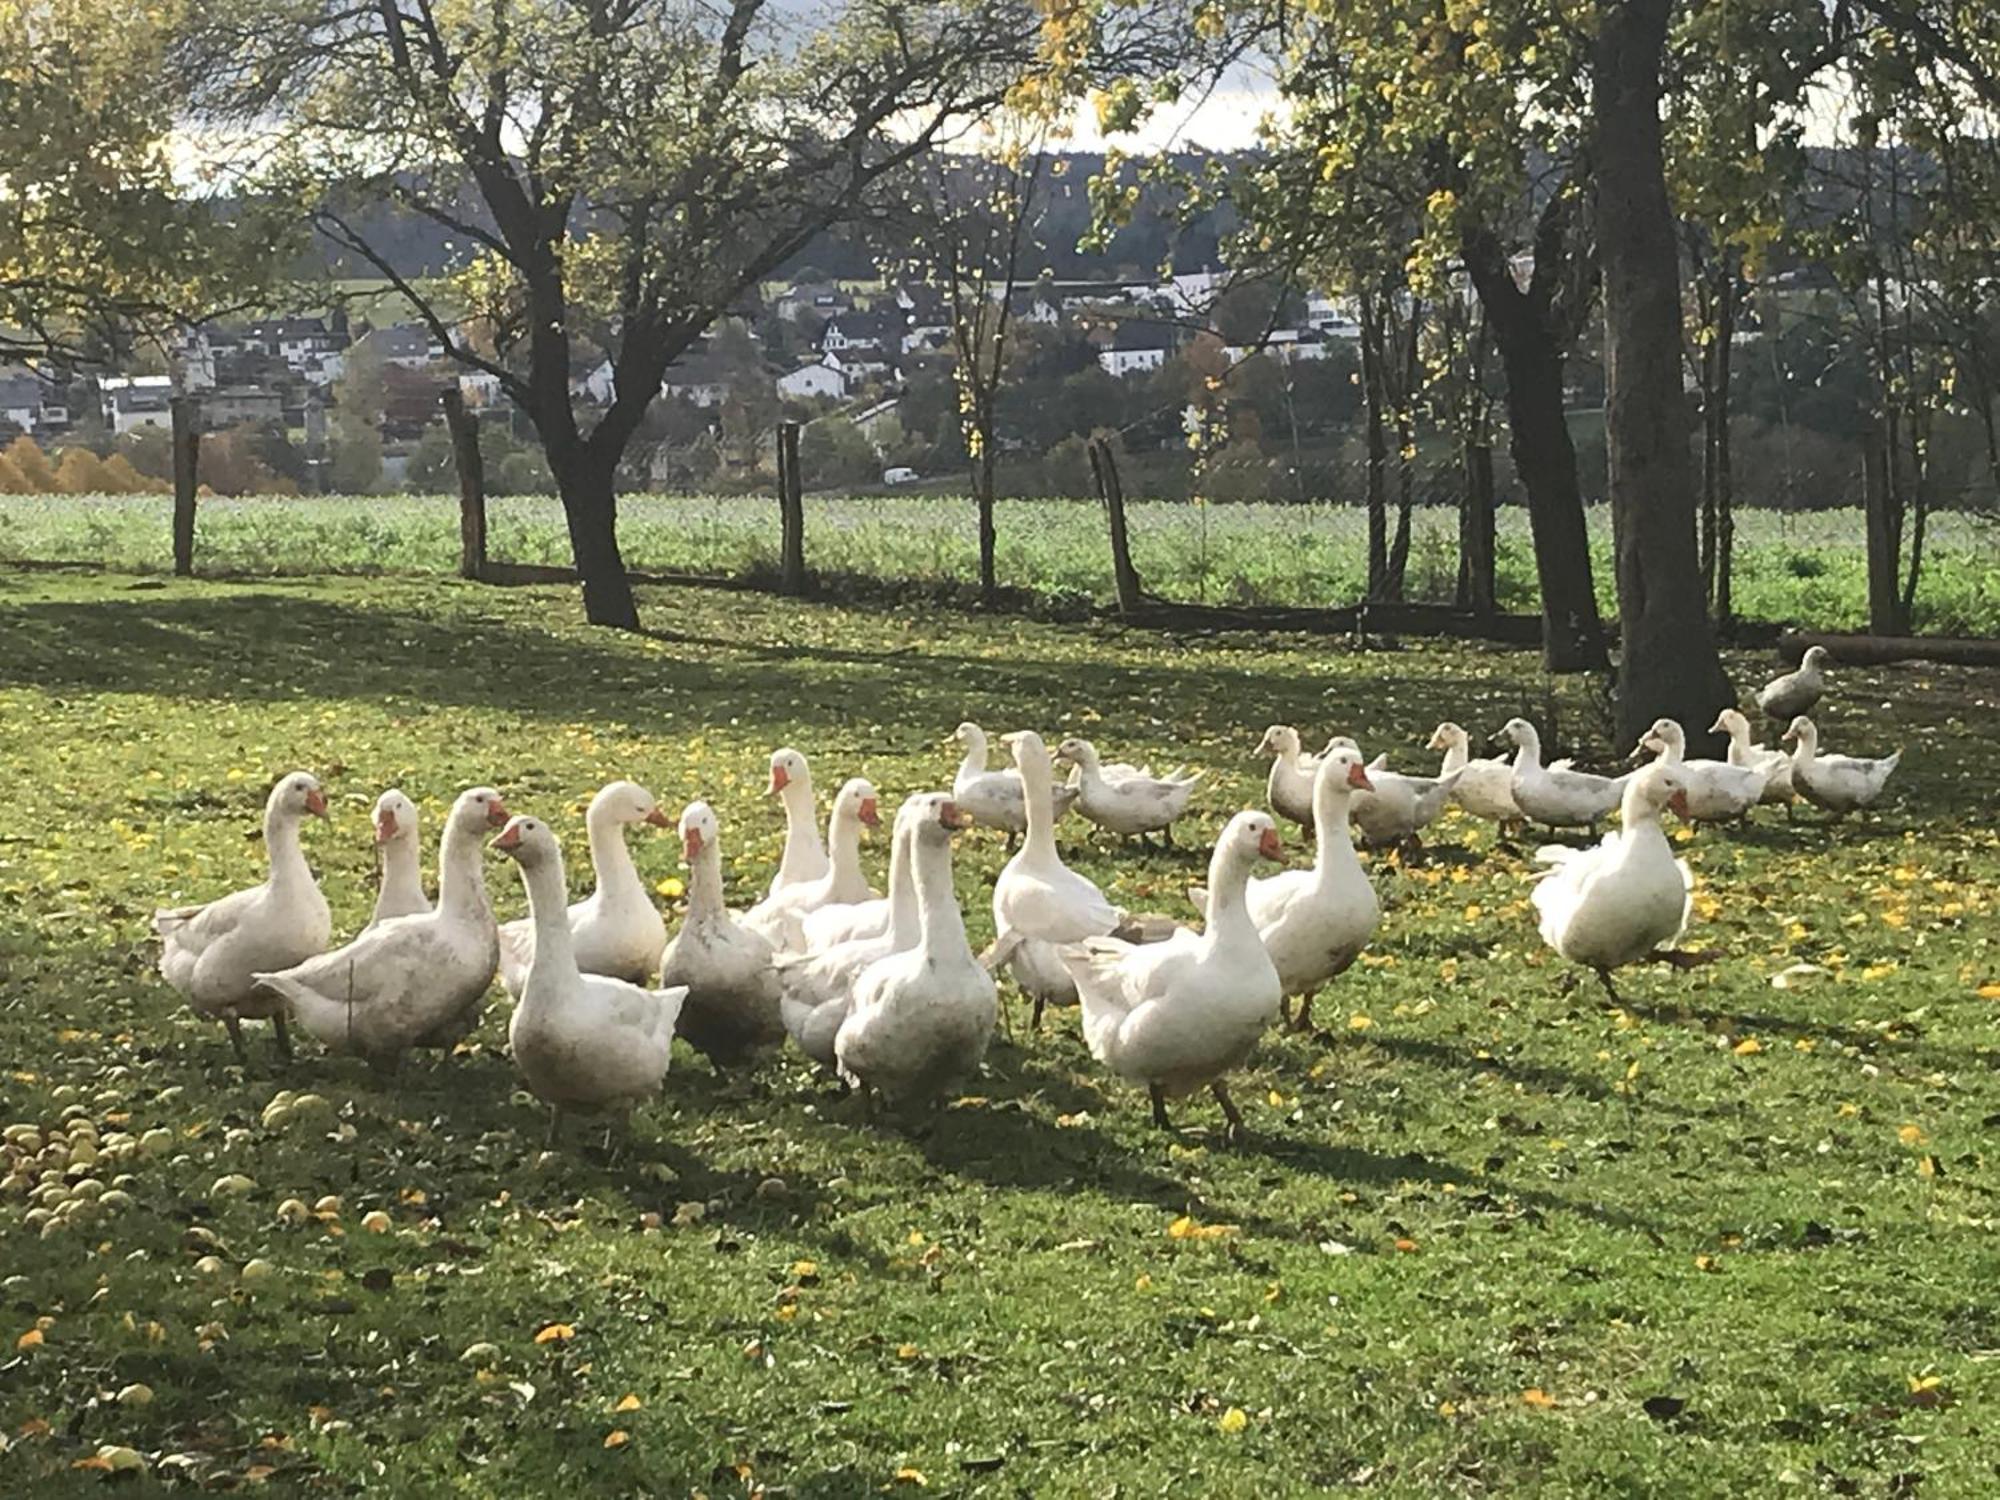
x=904, y=916
x=941, y=922
x=548, y=909
x=461, y=875
x=402, y=876
x=282, y=848
x=610, y=858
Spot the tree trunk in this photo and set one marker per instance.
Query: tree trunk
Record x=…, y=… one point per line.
x=1477, y=589
x=1373, y=396
x=1668, y=665
x=187, y=456
x=590, y=505
x=1883, y=616
x=791, y=513
x=1545, y=460
x=471, y=470
x=982, y=494
x=1723, y=591
x=1111, y=492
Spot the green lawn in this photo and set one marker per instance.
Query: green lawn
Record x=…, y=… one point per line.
x=1490, y=1235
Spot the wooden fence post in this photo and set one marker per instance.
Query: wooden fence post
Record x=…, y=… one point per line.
x=791, y=513
x=1111, y=491
x=464, y=429
x=1884, y=608
x=1476, y=587
x=187, y=453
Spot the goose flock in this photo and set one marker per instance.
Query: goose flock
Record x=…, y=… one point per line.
x=884, y=989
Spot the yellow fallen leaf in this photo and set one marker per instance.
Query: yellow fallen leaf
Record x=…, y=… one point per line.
x=908, y=1475
x=1142, y=1282
x=628, y=1402
x=907, y=1351
x=1989, y=992
x=556, y=1333
x=1538, y=1398
x=1406, y=1247
x=1233, y=1420
x=32, y=1339
x=617, y=1439
x=1359, y=1022
x=1748, y=1047
x=671, y=888
x=801, y=1269
x=1911, y=1135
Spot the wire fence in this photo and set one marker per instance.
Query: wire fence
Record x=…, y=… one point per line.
x=1794, y=567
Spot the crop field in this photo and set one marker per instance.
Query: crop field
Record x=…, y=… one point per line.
x=1490, y=1232
x=1801, y=568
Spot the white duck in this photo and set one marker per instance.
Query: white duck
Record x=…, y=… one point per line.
x=1126, y=799
x=401, y=893
x=1775, y=764
x=1617, y=903
x=1315, y=922
x=1398, y=807
x=1556, y=796
x=817, y=989
x=616, y=930
x=1182, y=1013
x=804, y=859
x=212, y=953
x=1290, y=784
x=584, y=1042
x=780, y=917
x=412, y=981
x=995, y=799
x=731, y=1013
x=1485, y=786
x=1785, y=698
x=1040, y=903
x=1839, y=783
x=1716, y=789
x=920, y=1019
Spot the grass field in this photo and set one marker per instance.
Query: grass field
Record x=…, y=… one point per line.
x=1806, y=569
x=1490, y=1234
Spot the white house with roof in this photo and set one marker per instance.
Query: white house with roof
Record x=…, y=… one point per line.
x=31, y=403
x=410, y=345
x=821, y=380
x=1133, y=346
x=135, y=401
x=1286, y=345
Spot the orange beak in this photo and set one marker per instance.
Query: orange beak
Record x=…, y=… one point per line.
x=1357, y=776
x=1270, y=845
x=496, y=813
x=779, y=781
x=871, y=814
x=510, y=838
x=385, y=825
x=691, y=845
x=659, y=819
x=1679, y=802
x=316, y=802
x=951, y=817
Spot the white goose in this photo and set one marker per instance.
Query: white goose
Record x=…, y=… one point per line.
x=817, y=989
x=1716, y=790
x=583, y=1041
x=1775, y=764
x=1485, y=786
x=804, y=859
x=731, y=1012
x=780, y=917
x=1125, y=799
x=1785, y=698
x=1290, y=784
x=1617, y=903
x=1315, y=922
x=1038, y=901
x=1398, y=807
x=995, y=799
x=1556, y=796
x=412, y=981
x=616, y=930
x=921, y=1019
x=212, y=953
x=401, y=893
x=1839, y=783
x=1179, y=1014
